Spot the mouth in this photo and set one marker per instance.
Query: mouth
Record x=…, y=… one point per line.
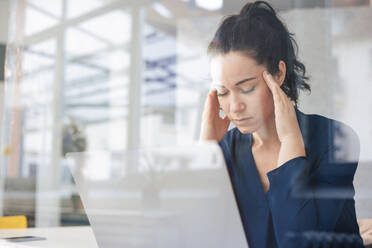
x=242, y=120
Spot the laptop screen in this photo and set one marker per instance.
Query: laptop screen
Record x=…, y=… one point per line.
x=178, y=196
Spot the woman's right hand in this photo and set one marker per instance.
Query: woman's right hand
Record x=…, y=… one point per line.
x=213, y=127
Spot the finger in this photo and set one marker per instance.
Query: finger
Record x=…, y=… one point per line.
x=268, y=80
x=208, y=101
x=280, y=94
x=211, y=105
x=273, y=86
x=271, y=82
x=214, y=103
x=207, y=104
x=276, y=85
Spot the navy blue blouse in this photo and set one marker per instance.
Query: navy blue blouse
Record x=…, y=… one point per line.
x=310, y=200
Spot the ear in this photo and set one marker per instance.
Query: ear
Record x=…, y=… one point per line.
x=280, y=75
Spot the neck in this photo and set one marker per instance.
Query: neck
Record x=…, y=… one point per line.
x=266, y=136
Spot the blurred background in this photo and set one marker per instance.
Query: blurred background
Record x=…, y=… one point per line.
x=110, y=75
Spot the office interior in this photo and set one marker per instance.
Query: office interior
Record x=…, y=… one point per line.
x=113, y=75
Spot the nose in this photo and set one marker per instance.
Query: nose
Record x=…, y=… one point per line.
x=236, y=104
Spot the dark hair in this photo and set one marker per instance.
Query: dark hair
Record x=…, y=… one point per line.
x=259, y=33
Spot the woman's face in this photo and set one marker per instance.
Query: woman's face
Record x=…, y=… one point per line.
x=241, y=90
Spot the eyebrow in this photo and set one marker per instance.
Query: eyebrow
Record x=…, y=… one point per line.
x=240, y=82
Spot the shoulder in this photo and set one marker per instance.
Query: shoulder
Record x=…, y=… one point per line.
x=332, y=148
x=322, y=134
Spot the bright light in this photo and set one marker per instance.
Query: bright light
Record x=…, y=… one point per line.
x=210, y=4
x=162, y=10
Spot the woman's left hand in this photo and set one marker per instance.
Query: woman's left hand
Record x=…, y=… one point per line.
x=286, y=123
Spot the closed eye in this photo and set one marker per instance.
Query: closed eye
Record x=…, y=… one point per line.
x=243, y=91
x=248, y=91
x=222, y=94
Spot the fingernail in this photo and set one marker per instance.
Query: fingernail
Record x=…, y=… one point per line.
x=266, y=73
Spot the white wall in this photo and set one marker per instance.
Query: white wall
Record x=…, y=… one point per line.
x=4, y=14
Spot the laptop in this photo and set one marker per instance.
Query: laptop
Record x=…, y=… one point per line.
x=7, y=244
x=177, y=196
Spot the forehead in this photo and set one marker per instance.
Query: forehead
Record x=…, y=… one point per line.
x=232, y=67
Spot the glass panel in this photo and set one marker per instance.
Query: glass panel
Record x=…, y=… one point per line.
x=79, y=42
x=159, y=89
x=52, y=8
x=89, y=57
x=28, y=127
x=81, y=7
x=37, y=102
x=37, y=21
x=97, y=76
x=119, y=22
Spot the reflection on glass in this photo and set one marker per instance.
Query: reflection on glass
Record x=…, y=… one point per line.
x=88, y=55
x=159, y=197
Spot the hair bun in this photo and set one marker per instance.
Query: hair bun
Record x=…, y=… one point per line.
x=249, y=7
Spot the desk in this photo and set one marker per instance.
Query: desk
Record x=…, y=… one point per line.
x=56, y=237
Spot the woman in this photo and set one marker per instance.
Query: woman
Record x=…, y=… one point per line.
x=293, y=182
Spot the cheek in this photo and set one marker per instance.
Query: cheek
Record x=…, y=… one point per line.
x=261, y=103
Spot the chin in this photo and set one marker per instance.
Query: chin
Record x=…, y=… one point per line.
x=245, y=130
x=250, y=128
